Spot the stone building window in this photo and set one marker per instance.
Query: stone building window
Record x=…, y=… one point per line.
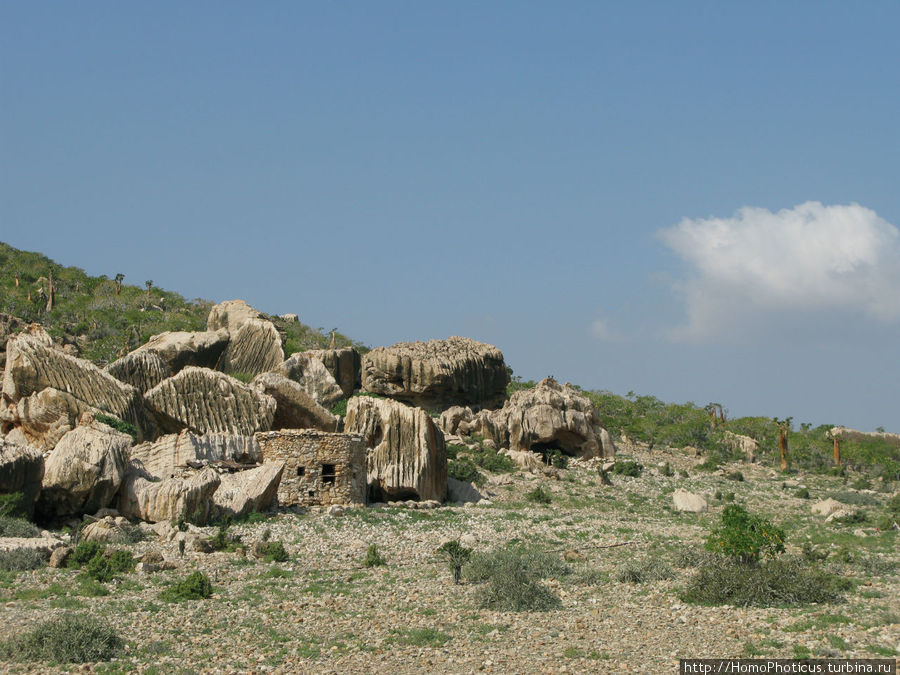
x=301, y=470
x=328, y=474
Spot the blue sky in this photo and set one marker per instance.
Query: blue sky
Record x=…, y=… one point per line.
x=693, y=200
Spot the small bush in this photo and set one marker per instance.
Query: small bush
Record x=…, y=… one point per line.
x=83, y=553
x=14, y=505
x=666, y=470
x=861, y=484
x=118, y=425
x=539, y=495
x=221, y=540
x=744, y=536
x=802, y=493
x=736, y=476
x=273, y=551
x=373, y=557
x=728, y=497
x=853, y=518
x=339, y=409
x=885, y=522
x=22, y=559
x=628, y=467
x=17, y=527
x=513, y=577
x=71, y=638
x=784, y=581
x=812, y=554
x=196, y=586
x=709, y=464
x=893, y=505
x=464, y=469
x=683, y=473
x=641, y=571
x=854, y=498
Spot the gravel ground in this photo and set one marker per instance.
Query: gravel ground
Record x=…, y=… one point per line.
x=322, y=611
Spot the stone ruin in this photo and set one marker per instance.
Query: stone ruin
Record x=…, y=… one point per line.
x=320, y=468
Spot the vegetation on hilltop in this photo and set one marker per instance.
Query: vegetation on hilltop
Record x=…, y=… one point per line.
x=105, y=317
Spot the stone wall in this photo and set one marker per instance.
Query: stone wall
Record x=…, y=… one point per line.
x=320, y=468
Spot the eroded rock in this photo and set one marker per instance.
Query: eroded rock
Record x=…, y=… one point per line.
x=231, y=315
x=254, y=348
x=21, y=470
x=345, y=366
x=189, y=497
x=294, y=408
x=180, y=349
x=142, y=369
x=311, y=374
x=251, y=490
x=167, y=455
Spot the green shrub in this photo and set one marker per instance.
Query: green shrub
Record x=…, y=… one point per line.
x=17, y=527
x=465, y=470
x=628, y=467
x=22, y=559
x=83, y=553
x=339, y=409
x=683, y=473
x=853, y=498
x=118, y=425
x=273, y=551
x=812, y=554
x=853, y=518
x=735, y=476
x=666, y=470
x=513, y=577
x=861, y=483
x=744, y=536
x=802, y=493
x=728, y=497
x=493, y=461
x=539, y=495
x=456, y=555
x=373, y=557
x=14, y=505
x=885, y=522
x=709, y=464
x=893, y=505
x=121, y=561
x=221, y=540
x=71, y=638
x=783, y=581
x=242, y=377
x=640, y=571
x=196, y=586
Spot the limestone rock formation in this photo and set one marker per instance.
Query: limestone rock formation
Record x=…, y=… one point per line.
x=345, y=366
x=189, y=496
x=169, y=454
x=453, y=417
x=108, y=530
x=33, y=365
x=84, y=471
x=231, y=315
x=407, y=457
x=744, y=444
x=21, y=470
x=250, y=490
x=254, y=348
x=294, y=408
x=438, y=373
x=206, y=401
x=142, y=369
x=311, y=374
x=44, y=417
x=682, y=500
x=9, y=326
x=462, y=492
x=548, y=416
x=180, y=349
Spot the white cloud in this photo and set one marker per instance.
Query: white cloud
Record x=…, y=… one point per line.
x=600, y=330
x=812, y=260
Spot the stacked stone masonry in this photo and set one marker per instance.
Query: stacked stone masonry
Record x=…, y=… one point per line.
x=320, y=468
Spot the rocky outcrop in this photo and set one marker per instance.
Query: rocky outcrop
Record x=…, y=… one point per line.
x=294, y=408
x=743, y=444
x=311, y=374
x=9, y=326
x=407, y=457
x=251, y=490
x=142, y=369
x=254, y=348
x=206, y=401
x=682, y=500
x=21, y=470
x=546, y=417
x=189, y=497
x=168, y=455
x=180, y=349
x=345, y=366
x=231, y=315
x=827, y=507
x=44, y=417
x=438, y=373
x=84, y=471
x=108, y=530
x=33, y=365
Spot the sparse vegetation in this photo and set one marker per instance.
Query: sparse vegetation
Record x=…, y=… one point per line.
x=641, y=571
x=513, y=578
x=373, y=557
x=539, y=495
x=628, y=467
x=71, y=638
x=20, y=560
x=196, y=586
x=17, y=527
x=745, y=537
x=456, y=555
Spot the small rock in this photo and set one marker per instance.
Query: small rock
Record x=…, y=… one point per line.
x=689, y=502
x=335, y=510
x=59, y=556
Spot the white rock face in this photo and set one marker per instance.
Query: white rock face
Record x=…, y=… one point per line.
x=247, y=491
x=312, y=375
x=21, y=470
x=108, y=530
x=142, y=369
x=231, y=315
x=294, y=407
x=407, y=456
x=84, y=471
x=156, y=501
x=44, y=417
x=167, y=455
x=828, y=506
x=180, y=349
x=683, y=500
x=254, y=348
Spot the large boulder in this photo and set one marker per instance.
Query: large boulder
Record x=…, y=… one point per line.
x=141, y=369
x=188, y=496
x=682, y=500
x=549, y=416
x=180, y=349
x=9, y=326
x=21, y=470
x=310, y=373
x=84, y=471
x=33, y=365
x=407, y=457
x=438, y=373
x=231, y=315
x=294, y=408
x=251, y=490
x=345, y=366
x=44, y=417
x=206, y=401
x=254, y=348
x=168, y=455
